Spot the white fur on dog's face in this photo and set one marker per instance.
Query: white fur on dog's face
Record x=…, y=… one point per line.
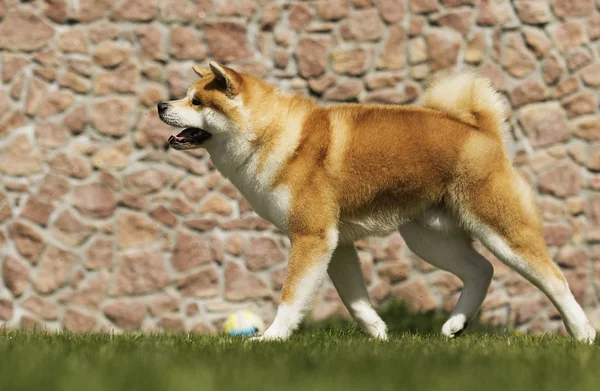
x=183, y=114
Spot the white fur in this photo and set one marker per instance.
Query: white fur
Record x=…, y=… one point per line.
x=191, y=93
x=178, y=114
x=454, y=325
x=465, y=94
x=440, y=221
x=449, y=248
x=371, y=225
x=346, y=274
x=215, y=122
x=286, y=321
x=181, y=114
x=369, y=320
x=240, y=165
x=285, y=93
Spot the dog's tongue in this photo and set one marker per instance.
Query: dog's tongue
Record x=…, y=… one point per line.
x=176, y=138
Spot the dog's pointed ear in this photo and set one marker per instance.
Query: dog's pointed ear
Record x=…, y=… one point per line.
x=226, y=77
x=201, y=72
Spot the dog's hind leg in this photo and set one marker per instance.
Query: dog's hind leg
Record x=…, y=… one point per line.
x=501, y=213
x=452, y=251
x=346, y=274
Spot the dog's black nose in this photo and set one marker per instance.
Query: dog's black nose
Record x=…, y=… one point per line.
x=162, y=106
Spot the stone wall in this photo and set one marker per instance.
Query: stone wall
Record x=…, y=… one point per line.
x=100, y=228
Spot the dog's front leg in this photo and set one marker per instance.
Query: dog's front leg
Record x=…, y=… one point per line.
x=309, y=256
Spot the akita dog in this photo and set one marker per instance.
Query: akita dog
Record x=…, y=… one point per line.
x=328, y=176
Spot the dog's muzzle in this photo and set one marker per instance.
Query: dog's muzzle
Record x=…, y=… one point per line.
x=189, y=138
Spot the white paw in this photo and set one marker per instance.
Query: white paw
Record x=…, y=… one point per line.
x=377, y=330
x=454, y=325
x=267, y=337
x=590, y=334
x=382, y=335
x=368, y=319
x=586, y=334
x=273, y=334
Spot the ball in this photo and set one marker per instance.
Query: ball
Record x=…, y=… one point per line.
x=243, y=322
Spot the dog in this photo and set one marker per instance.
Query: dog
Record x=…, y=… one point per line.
x=327, y=176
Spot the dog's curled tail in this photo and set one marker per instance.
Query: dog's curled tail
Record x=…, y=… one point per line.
x=469, y=98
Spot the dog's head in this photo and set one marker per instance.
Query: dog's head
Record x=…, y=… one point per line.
x=213, y=107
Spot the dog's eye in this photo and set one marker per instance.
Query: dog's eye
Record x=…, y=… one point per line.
x=195, y=101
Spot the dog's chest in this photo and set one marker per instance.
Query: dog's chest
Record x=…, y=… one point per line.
x=272, y=204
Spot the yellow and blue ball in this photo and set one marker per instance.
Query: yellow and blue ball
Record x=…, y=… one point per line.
x=243, y=322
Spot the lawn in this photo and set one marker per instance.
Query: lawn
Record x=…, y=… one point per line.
x=317, y=358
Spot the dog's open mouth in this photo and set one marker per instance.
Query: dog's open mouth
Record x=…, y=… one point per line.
x=189, y=138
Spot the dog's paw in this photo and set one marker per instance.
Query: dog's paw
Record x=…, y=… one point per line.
x=377, y=330
x=256, y=338
x=272, y=334
x=590, y=334
x=381, y=335
x=454, y=326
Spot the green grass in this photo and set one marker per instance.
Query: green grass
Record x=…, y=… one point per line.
x=328, y=358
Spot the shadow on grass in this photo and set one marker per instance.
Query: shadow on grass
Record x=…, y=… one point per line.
x=400, y=320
